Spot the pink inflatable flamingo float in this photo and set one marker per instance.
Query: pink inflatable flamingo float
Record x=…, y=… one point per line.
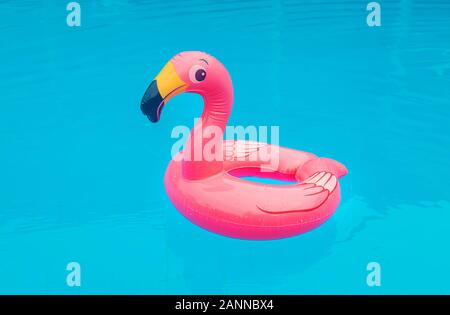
x=210, y=192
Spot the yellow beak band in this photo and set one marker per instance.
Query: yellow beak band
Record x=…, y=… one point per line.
x=168, y=82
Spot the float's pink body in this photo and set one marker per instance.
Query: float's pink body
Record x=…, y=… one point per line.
x=235, y=207
x=211, y=194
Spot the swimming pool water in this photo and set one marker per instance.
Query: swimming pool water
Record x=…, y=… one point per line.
x=81, y=169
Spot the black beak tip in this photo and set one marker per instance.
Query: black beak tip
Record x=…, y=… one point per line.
x=152, y=118
x=152, y=103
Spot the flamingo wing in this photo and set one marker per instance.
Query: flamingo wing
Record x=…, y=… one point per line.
x=307, y=196
x=238, y=150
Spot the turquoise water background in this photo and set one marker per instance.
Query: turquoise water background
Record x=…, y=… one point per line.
x=81, y=169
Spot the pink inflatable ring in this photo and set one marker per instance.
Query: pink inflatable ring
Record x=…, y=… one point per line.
x=210, y=192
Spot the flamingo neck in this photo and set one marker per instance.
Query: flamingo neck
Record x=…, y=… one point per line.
x=204, y=146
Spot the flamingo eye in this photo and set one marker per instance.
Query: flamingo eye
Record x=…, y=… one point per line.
x=197, y=74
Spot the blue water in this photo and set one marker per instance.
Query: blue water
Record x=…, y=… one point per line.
x=81, y=169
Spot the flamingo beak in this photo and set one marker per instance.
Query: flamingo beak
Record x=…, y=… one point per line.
x=166, y=85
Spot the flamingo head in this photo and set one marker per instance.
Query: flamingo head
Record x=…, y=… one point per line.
x=190, y=71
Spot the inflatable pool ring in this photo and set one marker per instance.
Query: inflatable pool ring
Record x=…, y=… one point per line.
x=210, y=192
